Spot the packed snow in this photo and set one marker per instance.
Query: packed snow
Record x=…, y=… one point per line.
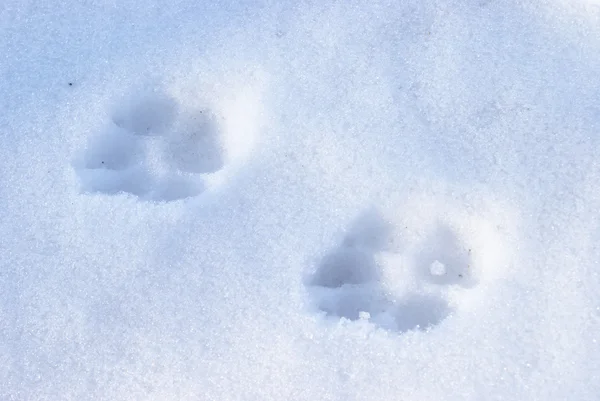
x=320, y=200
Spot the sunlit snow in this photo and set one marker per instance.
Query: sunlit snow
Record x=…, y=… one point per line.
x=300, y=201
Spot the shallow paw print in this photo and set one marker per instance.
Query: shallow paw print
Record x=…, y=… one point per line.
x=349, y=283
x=154, y=149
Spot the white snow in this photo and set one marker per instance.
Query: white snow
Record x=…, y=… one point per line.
x=437, y=268
x=300, y=201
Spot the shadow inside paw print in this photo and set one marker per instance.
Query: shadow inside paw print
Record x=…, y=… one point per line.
x=349, y=301
x=153, y=148
x=112, y=182
x=420, y=312
x=150, y=113
x=370, y=231
x=114, y=149
x=194, y=145
x=345, y=266
x=348, y=283
x=444, y=259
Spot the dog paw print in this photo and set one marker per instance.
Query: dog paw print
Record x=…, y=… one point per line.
x=418, y=264
x=153, y=148
x=350, y=283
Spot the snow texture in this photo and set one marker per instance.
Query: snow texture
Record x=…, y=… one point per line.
x=310, y=200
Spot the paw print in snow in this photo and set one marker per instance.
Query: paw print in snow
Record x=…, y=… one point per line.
x=153, y=148
x=421, y=264
x=350, y=283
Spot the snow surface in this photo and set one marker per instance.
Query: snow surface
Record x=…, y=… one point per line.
x=243, y=200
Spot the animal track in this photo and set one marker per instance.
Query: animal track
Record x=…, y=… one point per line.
x=153, y=148
x=350, y=282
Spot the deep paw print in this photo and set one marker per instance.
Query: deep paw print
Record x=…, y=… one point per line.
x=153, y=148
x=349, y=282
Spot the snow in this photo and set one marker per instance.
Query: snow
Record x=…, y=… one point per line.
x=300, y=201
x=437, y=268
